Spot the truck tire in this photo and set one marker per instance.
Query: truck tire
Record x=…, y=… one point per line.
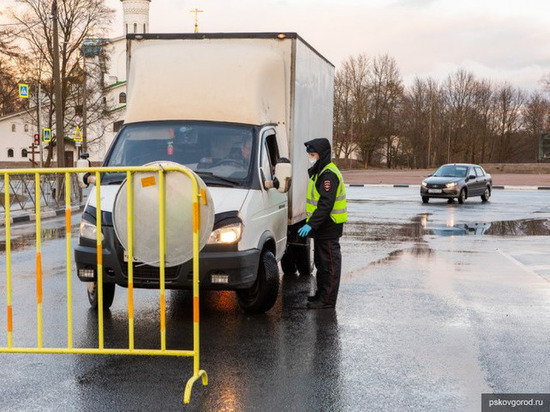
x=108, y=294
x=263, y=294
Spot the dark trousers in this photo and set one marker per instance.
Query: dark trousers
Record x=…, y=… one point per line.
x=328, y=261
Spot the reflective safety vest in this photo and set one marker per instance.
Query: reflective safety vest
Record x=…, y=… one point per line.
x=339, y=212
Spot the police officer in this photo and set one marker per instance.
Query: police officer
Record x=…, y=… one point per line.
x=325, y=217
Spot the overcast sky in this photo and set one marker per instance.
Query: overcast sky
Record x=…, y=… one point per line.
x=499, y=40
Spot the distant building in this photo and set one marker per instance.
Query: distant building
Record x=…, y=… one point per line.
x=107, y=80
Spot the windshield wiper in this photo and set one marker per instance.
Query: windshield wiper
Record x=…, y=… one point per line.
x=219, y=179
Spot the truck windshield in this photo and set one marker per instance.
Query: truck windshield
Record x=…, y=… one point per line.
x=220, y=153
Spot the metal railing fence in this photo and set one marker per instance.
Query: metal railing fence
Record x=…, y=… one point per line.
x=23, y=193
x=45, y=177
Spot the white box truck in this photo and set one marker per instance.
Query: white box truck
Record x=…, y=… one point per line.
x=233, y=108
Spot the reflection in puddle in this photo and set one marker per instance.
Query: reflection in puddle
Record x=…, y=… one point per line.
x=29, y=239
x=527, y=227
x=524, y=227
x=420, y=226
x=460, y=229
x=418, y=250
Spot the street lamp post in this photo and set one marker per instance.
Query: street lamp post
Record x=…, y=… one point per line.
x=84, y=107
x=59, y=130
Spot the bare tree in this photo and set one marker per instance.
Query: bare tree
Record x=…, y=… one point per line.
x=459, y=98
x=421, y=124
x=351, y=111
x=462, y=120
x=344, y=144
x=9, y=77
x=386, y=92
x=507, y=106
x=481, y=131
x=536, y=121
x=78, y=20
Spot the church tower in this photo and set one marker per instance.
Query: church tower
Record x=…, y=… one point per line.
x=136, y=16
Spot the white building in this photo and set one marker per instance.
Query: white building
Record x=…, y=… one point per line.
x=17, y=130
x=15, y=139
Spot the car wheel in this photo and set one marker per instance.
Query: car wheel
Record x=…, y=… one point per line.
x=425, y=199
x=262, y=295
x=486, y=195
x=108, y=294
x=462, y=196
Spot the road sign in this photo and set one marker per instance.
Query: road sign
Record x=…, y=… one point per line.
x=23, y=90
x=77, y=120
x=46, y=134
x=77, y=134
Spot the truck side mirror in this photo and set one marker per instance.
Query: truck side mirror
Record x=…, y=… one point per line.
x=283, y=175
x=84, y=179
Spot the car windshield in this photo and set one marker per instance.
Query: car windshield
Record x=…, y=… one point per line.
x=451, y=171
x=219, y=153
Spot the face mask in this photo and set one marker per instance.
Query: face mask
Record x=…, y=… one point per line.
x=312, y=160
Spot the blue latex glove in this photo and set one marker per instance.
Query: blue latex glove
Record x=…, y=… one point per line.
x=304, y=230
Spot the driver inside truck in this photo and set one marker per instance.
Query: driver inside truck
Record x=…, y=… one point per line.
x=218, y=148
x=242, y=150
x=246, y=150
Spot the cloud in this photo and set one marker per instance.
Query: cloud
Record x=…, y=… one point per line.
x=503, y=39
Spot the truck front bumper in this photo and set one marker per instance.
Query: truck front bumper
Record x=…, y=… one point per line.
x=218, y=269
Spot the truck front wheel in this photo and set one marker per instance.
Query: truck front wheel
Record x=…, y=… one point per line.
x=263, y=294
x=108, y=294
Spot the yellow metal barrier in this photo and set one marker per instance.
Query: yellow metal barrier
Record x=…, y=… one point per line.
x=198, y=196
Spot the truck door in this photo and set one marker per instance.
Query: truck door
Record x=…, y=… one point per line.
x=276, y=203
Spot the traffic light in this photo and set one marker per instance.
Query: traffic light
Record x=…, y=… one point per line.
x=36, y=139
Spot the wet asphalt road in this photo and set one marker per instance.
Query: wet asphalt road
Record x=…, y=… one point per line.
x=438, y=304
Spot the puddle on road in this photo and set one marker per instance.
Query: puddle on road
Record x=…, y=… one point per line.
x=523, y=227
x=418, y=250
x=29, y=239
x=420, y=226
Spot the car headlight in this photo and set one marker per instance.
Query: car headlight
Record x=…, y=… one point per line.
x=451, y=185
x=227, y=234
x=424, y=184
x=88, y=230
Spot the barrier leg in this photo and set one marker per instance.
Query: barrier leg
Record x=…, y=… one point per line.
x=191, y=381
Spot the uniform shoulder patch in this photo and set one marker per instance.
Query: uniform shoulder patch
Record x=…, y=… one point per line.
x=327, y=185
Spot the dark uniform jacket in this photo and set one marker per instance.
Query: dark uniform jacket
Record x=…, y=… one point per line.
x=327, y=185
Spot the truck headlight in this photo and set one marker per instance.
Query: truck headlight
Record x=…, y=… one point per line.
x=227, y=234
x=88, y=230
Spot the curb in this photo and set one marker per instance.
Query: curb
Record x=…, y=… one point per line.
x=48, y=214
x=418, y=186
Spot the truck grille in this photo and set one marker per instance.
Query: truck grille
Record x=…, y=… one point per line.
x=146, y=272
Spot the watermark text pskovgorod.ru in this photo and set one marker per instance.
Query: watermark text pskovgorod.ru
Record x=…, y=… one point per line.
x=533, y=402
